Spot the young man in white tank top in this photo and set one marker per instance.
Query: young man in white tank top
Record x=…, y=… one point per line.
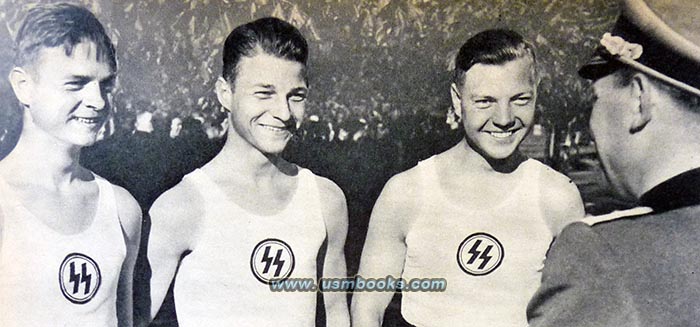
x=68, y=238
x=249, y=218
x=480, y=215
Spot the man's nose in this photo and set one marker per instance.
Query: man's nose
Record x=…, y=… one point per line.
x=503, y=118
x=94, y=96
x=282, y=109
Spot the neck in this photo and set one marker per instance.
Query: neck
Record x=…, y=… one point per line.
x=665, y=168
x=669, y=148
x=41, y=158
x=247, y=160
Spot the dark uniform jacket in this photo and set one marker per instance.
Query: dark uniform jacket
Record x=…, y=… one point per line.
x=641, y=270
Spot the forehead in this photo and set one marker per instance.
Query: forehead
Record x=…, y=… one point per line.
x=514, y=76
x=604, y=85
x=270, y=70
x=83, y=61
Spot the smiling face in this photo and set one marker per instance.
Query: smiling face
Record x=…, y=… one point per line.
x=497, y=106
x=65, y=96
x=266, y=101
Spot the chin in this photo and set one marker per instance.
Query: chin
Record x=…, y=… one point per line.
x=273, y=149
x=497, y=152
x=84, y=141
x=500, y=156
x=491, y=149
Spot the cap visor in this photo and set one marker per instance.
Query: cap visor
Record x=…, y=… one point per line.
x=598, y=67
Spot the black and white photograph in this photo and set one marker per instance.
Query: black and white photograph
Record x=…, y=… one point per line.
x=349, y=163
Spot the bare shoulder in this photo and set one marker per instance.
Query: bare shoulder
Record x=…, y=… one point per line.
x=403, y=187
x=554, y=183
x=560, y=199
x=175, y=217
x=333, y=205
x=402, y=191
x=398, y=203
x=334, y=211
x=331, y=194
x=129, y=210
x=178, y=210
x=552, y=175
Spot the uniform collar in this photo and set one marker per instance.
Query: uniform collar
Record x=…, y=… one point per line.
x=680, y=191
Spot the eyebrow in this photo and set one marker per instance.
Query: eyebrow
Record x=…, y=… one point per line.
x=110, y=77
x=303, y=89
x=482, y=97
x=81, y=78
x=528, y=93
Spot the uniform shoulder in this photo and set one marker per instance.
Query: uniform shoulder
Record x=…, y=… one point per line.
x=618, y=232
x=616, y=216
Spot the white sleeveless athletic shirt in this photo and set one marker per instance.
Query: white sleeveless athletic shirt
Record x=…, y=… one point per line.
x=51, y=279
x=491, y=258
x=223, y=281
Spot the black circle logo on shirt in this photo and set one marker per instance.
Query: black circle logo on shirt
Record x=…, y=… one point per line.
x=480, y=254
x=272, y=259
x=79, y=277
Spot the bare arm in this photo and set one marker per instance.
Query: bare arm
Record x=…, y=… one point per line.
x=130, y=219
x=384, y=251
x=335, y=214
x=173, y=222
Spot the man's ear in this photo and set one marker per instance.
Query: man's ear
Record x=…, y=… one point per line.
x=645, y=96
x=223, y=93
x=21, y=83
x=456, y=100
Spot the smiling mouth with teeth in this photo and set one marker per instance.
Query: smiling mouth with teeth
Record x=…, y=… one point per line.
x=275, y=128
x=502, y=135
x=90, y=121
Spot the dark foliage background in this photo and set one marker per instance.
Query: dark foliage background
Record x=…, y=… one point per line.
x=379, y=74
x=374, y=64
